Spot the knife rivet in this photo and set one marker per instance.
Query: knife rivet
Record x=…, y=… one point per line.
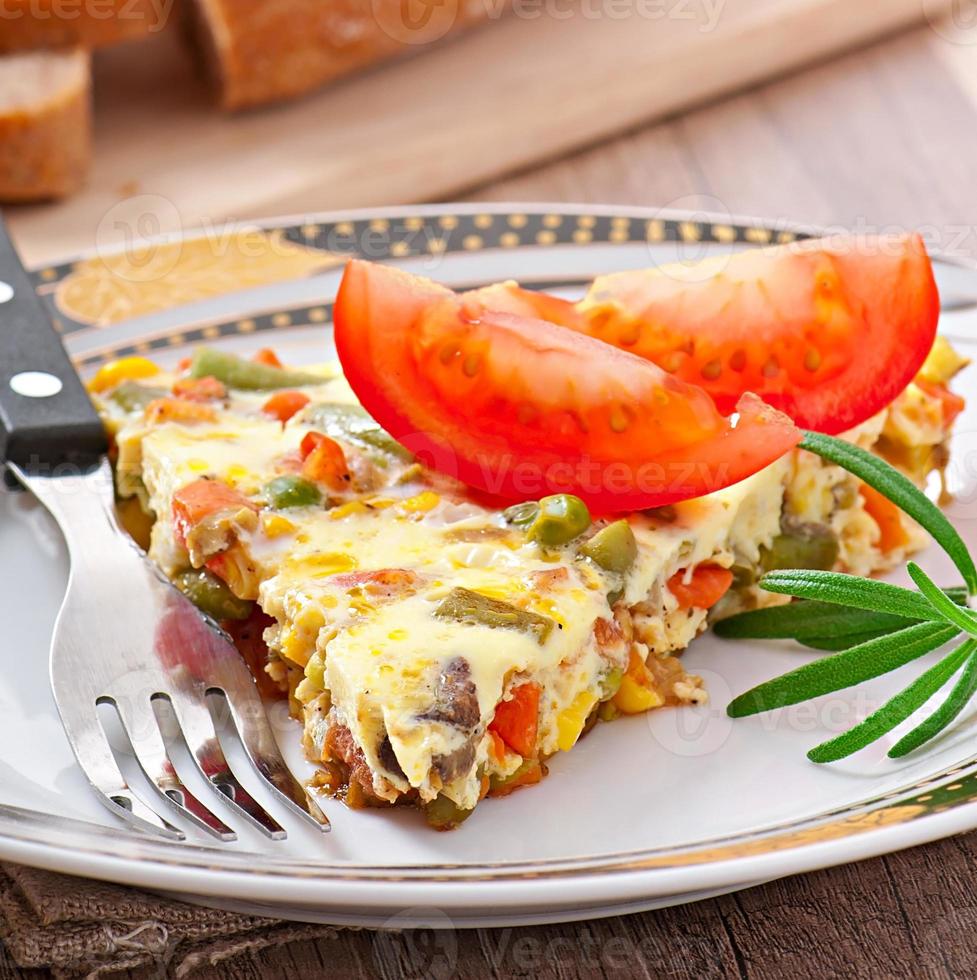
x=35, y=384
x=6, y=292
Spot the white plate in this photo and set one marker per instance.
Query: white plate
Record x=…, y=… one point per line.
x=645, y=812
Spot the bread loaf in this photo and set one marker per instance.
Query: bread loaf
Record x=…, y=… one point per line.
x=45, y=123
x=261, y=51
x=27, y=24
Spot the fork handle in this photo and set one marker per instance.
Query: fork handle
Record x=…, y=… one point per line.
x=46, y=416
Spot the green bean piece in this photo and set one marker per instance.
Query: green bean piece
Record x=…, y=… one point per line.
x=236, y=372
x=614, y=547
x=353, y=423
x=801, y=545
x=131, y=396
x=212, y=596
x=444, y=814
x=292, y=491
x=561, y=518
x=465, y=606
x=497, y=782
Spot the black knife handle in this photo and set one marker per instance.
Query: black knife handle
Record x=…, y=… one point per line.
x=46, y=416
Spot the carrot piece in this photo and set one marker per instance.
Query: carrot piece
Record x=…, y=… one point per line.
x=892, y=534
x=516, y=721
x=284, y=404
x=496, y=746
x=207, y=389
x=177, y=410
x=200, y=499
x=266, y=356
x=952, y=403
x=709, y=583
x=324, y=461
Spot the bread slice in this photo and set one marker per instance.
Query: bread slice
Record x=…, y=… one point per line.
x=45, y=123
x=262, y=51
x=29, y=24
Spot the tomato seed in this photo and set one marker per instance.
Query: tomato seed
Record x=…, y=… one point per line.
x=712, y=370
x=812, y=359
x=737, y=360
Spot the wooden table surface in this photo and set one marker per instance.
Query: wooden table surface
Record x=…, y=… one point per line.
x=884, y=136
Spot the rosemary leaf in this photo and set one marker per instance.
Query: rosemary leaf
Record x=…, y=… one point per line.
x=901, y=491
x=946, y=607
x=893, y=712
x=860, y=663
x=850, y=590
x=805, y=618
x=957, y=700
x=842, y=641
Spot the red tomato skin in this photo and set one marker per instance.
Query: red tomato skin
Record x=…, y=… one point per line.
x=536, y=413
x=828, y=331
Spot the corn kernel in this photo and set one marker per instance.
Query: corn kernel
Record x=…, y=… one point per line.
x=274, y=525
x=424, y=501
x=236, y=473
x=344, y=510
x=295, y=648
x=570, y=721
x=124, y=369
x=633, y=698
x=942, y=362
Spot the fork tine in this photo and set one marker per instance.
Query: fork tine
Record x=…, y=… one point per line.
x=94, y=756
x=150, y=752
x=254, y=730
x=196, y=727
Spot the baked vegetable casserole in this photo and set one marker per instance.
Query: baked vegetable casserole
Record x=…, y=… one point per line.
x=438, y=645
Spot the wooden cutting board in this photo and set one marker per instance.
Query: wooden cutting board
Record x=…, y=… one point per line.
x=517, y=91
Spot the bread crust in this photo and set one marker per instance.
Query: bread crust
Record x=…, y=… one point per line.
x=45, y=142
x=261, y=51
x=30, y=24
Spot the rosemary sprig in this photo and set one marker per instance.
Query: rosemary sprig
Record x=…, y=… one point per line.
x=870, y=627
x=901, y=491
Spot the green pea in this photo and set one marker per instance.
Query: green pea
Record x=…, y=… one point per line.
x=131, y=396
x=465, y=606
x=614, y=547
x=444, y=814
x=292, y=491
x=561, y=518
x=212, y=596
x=522, y=515
x=236, y=372
x=801, y=545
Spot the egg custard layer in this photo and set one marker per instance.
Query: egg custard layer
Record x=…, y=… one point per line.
x=438, y=650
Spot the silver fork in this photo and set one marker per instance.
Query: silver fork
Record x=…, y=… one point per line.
x=124, y=635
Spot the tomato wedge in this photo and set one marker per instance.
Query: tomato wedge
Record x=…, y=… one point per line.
x=828, y=331
x=518, y=407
